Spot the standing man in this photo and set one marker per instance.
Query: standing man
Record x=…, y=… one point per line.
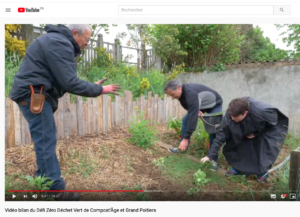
x=47, y=72
x=254, y=133
x=196, y=99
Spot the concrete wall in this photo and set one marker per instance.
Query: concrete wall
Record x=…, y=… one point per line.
x=276, y=83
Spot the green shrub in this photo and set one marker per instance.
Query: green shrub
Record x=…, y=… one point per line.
x=142, y=134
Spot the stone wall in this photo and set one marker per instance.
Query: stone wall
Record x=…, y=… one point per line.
x=277, y=83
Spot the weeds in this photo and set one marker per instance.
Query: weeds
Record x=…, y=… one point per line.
x=85, y=167
x=105, y=152
x=39, y=182
x=159, y=163
x=129, y=163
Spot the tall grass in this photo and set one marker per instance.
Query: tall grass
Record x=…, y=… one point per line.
x=12, y=64
x=281, y=177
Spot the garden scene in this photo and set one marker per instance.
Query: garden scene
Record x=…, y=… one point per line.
x=121, y=142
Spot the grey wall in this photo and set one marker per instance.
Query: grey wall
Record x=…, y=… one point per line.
x=275, y=83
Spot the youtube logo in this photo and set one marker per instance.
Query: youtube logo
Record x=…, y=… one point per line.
x=21, y=10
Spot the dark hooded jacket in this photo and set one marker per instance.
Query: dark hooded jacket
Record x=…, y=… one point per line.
x=50, y=61
x=256, y=155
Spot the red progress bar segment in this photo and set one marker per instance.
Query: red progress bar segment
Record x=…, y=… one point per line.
x=75, y=190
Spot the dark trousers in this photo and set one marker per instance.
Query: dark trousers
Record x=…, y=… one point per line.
x=43, y=133
x=211, y=136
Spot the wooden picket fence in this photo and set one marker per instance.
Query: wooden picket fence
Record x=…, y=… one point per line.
x=95, y=116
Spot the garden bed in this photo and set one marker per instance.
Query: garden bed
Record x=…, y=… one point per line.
x=110, y=162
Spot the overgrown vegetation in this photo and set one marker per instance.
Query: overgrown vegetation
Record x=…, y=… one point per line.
x=210, y=46
x=139, y=83
x=12, y=64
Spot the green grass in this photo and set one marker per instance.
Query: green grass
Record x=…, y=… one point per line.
x=281, y=176
x=239, y=179
x=15, y=182
x=292, y=141
x=138, y=196
x=179, y=168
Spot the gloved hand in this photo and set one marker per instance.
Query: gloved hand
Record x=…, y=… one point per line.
x=111, y=89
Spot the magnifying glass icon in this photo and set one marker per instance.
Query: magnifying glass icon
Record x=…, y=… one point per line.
x=281, y=9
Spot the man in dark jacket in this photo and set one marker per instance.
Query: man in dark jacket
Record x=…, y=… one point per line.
x=49, y=66
x=254, y=133
x=196, y=99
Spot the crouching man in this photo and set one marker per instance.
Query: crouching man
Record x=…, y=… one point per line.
x=254, y=133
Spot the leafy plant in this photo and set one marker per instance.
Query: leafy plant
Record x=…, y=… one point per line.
x=200, y=136
x=199, y=180
x=142, y=134
x=175, y=124
x=39, y=182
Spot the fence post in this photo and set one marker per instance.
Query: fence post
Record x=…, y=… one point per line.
x=100, y=40
x=118, y=54
x=294, y=170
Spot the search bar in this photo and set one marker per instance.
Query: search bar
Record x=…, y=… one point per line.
x=204, y=10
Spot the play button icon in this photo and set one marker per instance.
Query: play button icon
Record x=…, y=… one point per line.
x=13, y=196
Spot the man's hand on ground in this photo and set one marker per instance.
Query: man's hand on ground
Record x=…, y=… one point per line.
x=183, y=144
x=203, y=160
